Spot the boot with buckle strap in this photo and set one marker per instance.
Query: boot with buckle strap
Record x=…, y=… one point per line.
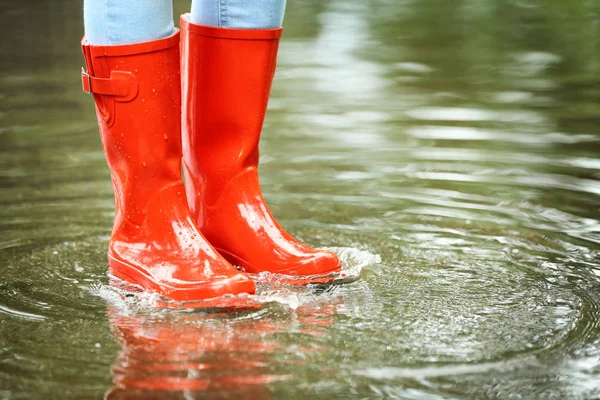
x=226, y=80
x=154, y=242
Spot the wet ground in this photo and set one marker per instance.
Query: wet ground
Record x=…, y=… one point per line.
x=456, y=140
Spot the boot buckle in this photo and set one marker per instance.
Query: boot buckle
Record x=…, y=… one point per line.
x=86, y=81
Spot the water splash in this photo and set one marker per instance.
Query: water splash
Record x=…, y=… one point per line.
x=271, y=288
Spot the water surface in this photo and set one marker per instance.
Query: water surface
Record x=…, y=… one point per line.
x=458, y=141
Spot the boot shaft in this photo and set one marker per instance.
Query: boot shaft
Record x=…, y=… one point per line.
x=226, y=82
x=137, y=92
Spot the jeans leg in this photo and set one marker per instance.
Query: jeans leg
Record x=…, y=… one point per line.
x=245, y=14
x=115, y=22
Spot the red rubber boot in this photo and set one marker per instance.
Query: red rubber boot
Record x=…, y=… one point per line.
x=226, y=78
x=154, y=243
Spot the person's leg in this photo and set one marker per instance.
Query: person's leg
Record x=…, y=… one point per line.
x=115, y=22
x=243, y=14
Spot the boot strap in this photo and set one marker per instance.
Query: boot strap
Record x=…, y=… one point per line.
x=121, y=84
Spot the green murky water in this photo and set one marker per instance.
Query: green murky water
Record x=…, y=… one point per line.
x=459, y=140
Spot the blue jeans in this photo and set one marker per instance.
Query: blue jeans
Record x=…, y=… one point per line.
x=114, y=22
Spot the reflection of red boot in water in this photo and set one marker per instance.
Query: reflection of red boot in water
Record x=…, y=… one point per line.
x=227, y=75
x=202, y=356
x=208, y=356
x=154, y=243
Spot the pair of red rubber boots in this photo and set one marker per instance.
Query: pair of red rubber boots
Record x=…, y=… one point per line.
x=182, y=241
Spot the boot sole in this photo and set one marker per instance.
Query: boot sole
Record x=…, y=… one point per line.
x=273, y=278
x=174, y=297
